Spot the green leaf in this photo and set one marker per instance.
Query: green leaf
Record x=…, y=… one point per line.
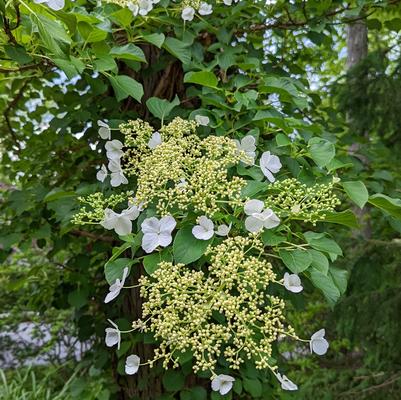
x=346, y=218
x=128, y=52
x=282, y=140
x=326, y=284
x=204, y=78
x=252, y=188
x=387, y=204
x=186, y=248
x=161, y=108
x=178, y=49
x=78, y=298
x=105, y=63
x=151, y=261
x=340, y=278
x=155, y=38
x=271, y=239
x=56, y=194
x=18, y=53
x=125, y=86
x=90, y=33
x=321, y=151
x=319, y=241
x=173, y=381
x=319, y=261
x=357, y=192
x=253, y=387
x=296, y=260
x=67, y=66
x=114, y=270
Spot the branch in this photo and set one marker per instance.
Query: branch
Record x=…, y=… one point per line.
x=89, y=235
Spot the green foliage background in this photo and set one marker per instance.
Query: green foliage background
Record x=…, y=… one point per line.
x=285, y=76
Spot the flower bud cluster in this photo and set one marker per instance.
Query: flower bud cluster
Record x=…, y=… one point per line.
x=290, y=197
x=224, y=311
x=97, y=203
x=183, y=171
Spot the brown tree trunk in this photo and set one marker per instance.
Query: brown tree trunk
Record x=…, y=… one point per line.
x=357, y=50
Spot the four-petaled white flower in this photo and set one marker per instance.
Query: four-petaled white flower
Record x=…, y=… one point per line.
x=114, y=149
x=121, y=223
x=104, y=130
x=248, y=146
x=202, y=120
x=286, y=384
x=205, y=228
x=223, y=230
x=292, y=282
x=113, y=336
x=155, y=140
x=116, y=287
x=134, y=8
x=188, y=13
x=205, y=9
x=132, y=364
x=222, y=383
x=318, y=344
x=145, y=6
x=53, y=4
x=258, y=217
x=157, y=232
x=102, y=173
x=270, y=164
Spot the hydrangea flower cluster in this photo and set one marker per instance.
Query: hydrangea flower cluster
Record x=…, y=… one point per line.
x=178, y=169
x=223, y=306
x=182, y=307
x=290, y=197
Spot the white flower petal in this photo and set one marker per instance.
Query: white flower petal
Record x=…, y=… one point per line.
x=253, y=206
x=205, y=9
x=253, y=224
x=150, y=241
x=292, y=282
x=202, y=119
x=112, y=295
x=318, y=344
x=132, y=364
x=270, y=219
x=165, y=239
x=201, y=233
x=123, y=225
x=104, y=130
x=113, y=337
x=134, y=8
x=222, y=384
x=248, y=143
x=150, y=225
x=188, y=14
x=56, y=5
x=269, y=164
x=109, y=219
x=223, y=230
x=286, y=384
x=155, y=140
x=114, y=149
x=167, y=224
x=131, y=213
x=102, y=173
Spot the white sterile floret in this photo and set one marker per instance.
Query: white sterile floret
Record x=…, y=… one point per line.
x=205, y=9
x=259, y=218
x=104, y=130
x=205, y=228
x=157, y=232
x=292, y=282
x=102, y=173
x=113, y=335
x=145, y=6
x=117, y=174
x=223, y=230
x=155, y=140
x=270, y=164
x=188, y=13
x=114, y=149
x=116, y=287
x=134, y=8
x=55, y=5
x=222, y=384
x=132, y=364
x=202, y=120
x=318, y=344
x=248, y=146
x=121, y=223
x=286, y=384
